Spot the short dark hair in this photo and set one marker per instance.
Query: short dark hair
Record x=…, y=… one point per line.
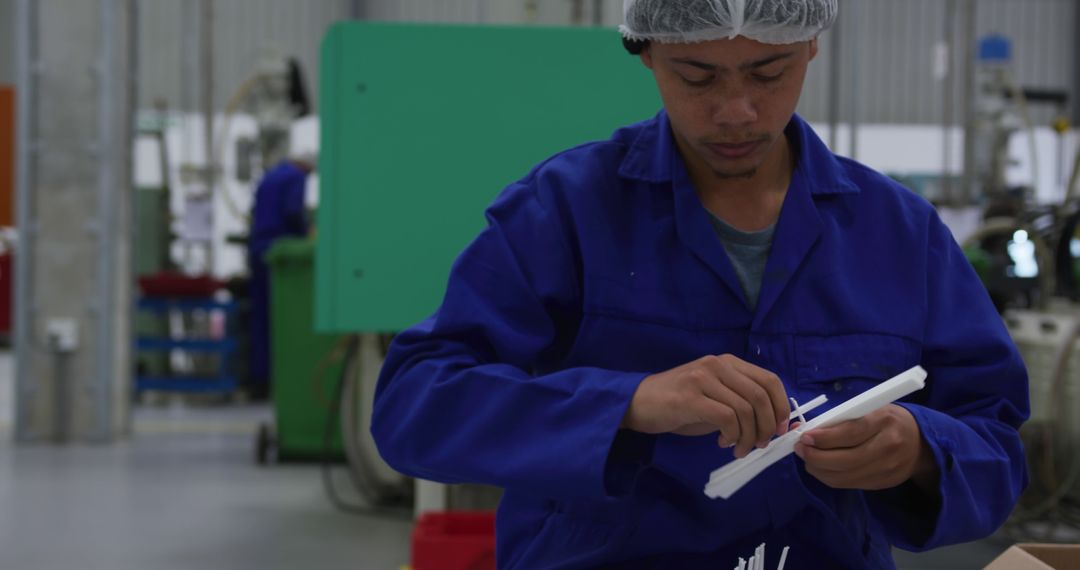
x=635, y=47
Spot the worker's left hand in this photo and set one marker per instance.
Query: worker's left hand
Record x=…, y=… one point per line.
x=877, y=451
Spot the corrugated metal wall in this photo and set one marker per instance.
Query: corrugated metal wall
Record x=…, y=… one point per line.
x=895, y=39
x=244, y=30
x=896, y=42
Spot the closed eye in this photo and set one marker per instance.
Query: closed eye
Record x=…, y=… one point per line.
x=697, y=83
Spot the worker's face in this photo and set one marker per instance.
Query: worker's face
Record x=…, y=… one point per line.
x=729, y=100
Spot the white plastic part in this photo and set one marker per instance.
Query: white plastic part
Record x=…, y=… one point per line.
x=757, y=561
x=797, y=411
x=725, y=481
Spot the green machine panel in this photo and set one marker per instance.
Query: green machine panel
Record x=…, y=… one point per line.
x=422, y=125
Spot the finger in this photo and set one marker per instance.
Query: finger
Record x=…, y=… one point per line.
x=833, y=460
x=694, y=430
x=849, y=434
x=745, y=413
x=765, y=423
x=719, y=415
x=774, y=387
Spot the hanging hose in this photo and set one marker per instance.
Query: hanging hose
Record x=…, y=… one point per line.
x=1071, y=188
x=1021, y=102
x=381, y=500
x=238, y=97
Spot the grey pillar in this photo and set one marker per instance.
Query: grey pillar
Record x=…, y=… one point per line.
x=73, y=275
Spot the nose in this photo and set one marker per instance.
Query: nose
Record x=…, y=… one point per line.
x=734, y=108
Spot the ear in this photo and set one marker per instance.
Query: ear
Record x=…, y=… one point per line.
x=813, y=48
x=646, y=57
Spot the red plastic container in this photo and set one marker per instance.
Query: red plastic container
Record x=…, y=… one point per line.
x=170, y=284
x=7, y=279
x=454, y=541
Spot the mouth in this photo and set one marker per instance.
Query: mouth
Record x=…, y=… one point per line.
x=734, y=150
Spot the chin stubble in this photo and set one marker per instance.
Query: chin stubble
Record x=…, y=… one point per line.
x=735, y=175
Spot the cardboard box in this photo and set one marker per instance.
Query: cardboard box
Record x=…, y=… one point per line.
x=1030, y=556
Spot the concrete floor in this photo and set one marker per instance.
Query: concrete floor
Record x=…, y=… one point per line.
x=185, y=493
x=181, y=496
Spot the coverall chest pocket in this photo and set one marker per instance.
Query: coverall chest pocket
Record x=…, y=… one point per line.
x=843, y=366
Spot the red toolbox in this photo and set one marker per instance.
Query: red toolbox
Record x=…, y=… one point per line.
x=454, y=541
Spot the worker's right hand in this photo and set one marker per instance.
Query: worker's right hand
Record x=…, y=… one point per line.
x=747, y=404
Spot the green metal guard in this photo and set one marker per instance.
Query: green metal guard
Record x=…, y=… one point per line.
x=422, y=125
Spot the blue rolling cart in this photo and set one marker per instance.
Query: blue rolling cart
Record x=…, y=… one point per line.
x=221, y=380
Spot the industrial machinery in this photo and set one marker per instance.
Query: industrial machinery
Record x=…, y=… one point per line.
x=275, y=95
x=1028, y=256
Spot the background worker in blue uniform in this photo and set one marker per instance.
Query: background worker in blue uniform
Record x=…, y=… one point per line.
x=638, y=311
x=279, y=211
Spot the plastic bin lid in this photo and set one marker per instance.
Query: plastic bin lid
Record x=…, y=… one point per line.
x=291, y=250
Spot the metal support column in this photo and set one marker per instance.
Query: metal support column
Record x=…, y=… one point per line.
x=1075, y=95
x=577, y=12
x=207, y=47
x=948, y=116
x=853, y=103
x=969, y=179
x=27, y=66
x=100, y=386
x=356, y=9
x=835, y=80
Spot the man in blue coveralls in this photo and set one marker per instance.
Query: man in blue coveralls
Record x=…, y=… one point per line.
x=279, y=211
x=639, y=310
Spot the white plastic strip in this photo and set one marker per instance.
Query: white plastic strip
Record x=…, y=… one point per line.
x=798, y=411
x=725, y=481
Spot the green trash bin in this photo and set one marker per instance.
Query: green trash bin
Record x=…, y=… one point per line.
x=303, y=372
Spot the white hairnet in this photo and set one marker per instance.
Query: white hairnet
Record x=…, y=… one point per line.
x=688, y=21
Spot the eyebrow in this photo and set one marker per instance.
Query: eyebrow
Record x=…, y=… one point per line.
x=744, y=67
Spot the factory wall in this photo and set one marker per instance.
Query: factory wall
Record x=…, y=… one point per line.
x=245, y=31
x=898, y=60
x=898, y=43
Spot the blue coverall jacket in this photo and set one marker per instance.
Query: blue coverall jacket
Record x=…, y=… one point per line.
x=601, y=266
x=278, y=212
